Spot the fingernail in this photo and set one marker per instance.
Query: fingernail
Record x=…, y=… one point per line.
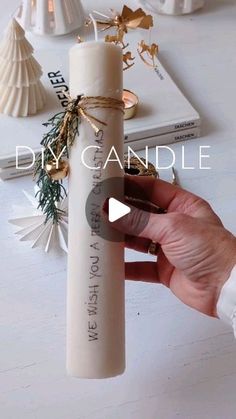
x=105, y=206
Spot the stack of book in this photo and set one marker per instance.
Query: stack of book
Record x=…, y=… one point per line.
x=164, y=114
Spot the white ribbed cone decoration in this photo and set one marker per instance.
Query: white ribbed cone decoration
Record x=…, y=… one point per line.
x=32, y=226
x=17, y=51
x=173, y=7
x=21, y=92
x=20, y=73
x=51, y=17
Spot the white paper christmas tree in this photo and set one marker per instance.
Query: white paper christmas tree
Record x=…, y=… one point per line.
x=21, y=91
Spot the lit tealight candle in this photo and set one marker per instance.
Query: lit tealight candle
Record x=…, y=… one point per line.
x=131, y=104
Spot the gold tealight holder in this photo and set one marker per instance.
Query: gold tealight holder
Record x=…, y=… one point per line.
x=131, y=104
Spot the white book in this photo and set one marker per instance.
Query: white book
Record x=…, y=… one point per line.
x=163, y=108
x=12, y=173
x=164, y=139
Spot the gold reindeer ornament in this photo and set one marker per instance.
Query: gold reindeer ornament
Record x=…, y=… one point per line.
x=121, y=23
x=127, y=60
x=148, y=53
x=117, y=39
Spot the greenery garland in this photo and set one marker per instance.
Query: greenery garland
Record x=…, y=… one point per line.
x=56, y=142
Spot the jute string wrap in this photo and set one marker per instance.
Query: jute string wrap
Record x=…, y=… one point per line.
x=81, y=106
x=87, y=103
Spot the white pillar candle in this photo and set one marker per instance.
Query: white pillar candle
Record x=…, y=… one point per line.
x=95, y=299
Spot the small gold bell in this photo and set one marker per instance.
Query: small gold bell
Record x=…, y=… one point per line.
x=57, y=171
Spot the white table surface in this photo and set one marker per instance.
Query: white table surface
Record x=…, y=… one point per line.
x=179, y=362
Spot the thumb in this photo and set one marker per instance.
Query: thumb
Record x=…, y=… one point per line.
x=144, y=224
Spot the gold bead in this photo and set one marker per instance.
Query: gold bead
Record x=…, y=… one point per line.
x=57, y=172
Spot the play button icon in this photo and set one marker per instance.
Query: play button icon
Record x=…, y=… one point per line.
x=113, y=192
x=116, y=209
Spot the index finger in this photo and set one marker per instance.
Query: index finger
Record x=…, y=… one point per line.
x=161, y=193
x=169, y=197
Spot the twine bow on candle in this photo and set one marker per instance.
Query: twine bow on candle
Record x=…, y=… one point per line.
x=94, y=102
x=58, y=141
x=80, y=107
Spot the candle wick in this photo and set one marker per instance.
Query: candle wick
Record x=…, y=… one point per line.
x=150, y=34
x=100, y=14
x=94, y=26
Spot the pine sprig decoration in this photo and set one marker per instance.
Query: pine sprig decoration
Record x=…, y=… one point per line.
x=56, y=142
x=50, y=168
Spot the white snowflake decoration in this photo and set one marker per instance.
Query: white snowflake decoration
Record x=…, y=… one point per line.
x=33, y=228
